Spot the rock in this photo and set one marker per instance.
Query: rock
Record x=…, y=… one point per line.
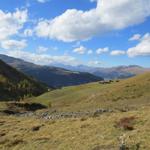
x=61, y=115
x=36, y=128
x=54, y=115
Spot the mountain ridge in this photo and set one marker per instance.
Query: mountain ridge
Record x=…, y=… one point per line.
x=118, y=72
x=52, y=76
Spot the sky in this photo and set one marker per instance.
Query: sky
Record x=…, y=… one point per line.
x=98, y=33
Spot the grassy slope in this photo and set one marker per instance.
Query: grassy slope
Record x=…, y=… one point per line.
x=133, y=92
x=74, y=134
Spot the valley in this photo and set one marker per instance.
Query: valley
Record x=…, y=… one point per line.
x=53, y=77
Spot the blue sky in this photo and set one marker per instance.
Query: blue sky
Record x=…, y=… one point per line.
x=96, y=33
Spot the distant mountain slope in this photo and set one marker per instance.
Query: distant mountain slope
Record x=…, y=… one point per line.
x=109, y=73
x=52, y=76
x=125, y=94
x=134, y=69
x=14, y=85
x=120, y=72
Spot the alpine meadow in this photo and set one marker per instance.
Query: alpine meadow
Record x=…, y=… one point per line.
x=75, y=75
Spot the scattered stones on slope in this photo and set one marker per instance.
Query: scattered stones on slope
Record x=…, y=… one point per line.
x=60, y=115
x=55, y=115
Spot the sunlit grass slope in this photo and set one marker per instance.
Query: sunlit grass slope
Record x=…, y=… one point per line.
x=96, y=133
x=128, y=93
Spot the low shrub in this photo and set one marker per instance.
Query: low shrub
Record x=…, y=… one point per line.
x=49, y=105
x=36, y=128
x=127, y=123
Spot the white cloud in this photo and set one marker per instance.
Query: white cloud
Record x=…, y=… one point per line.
x=102, y=50
x=94, y=63
x=135, y=37
x=42, y=1
x=42, y=59
x=90, y=52
x=42, y=49
x=77, y=44
x=74, y=25
x=28, y=32
x=55, y=48
x=11, y=23
x=80, y=50
x=93, y=0
x=117, y=52
x=142, y=48
x=13, y=44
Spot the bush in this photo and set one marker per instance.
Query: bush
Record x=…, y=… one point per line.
x=83, y=119
x=126, y=123
x=49, y=105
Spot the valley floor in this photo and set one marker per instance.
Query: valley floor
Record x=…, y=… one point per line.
x=83, y=133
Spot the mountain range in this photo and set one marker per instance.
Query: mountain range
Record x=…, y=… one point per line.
x=119, y=72
x=52, y=76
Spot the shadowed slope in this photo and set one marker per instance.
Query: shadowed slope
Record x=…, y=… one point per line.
x=14, y=85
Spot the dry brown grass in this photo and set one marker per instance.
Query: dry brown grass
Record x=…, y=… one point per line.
x=74, y=134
